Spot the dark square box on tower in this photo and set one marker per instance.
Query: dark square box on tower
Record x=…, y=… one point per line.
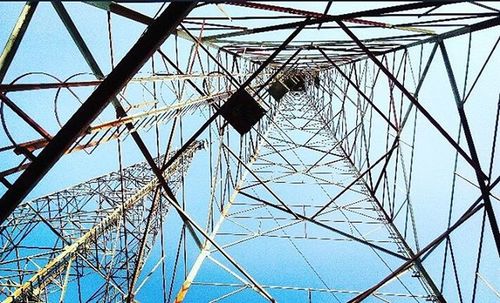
x=277, y=90
x=242, y=111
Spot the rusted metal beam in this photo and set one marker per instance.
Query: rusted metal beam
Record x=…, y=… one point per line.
x=453, y=33
x=131, y=14
x=349, y=16
x=25, y=116
x=144, y=48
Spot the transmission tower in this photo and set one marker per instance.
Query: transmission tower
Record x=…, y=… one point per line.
x=298, y=152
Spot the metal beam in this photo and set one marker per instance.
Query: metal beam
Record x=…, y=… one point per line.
x=25, y=116
x=454, y=33
x=56, y=264
x=131, y=14
x=481, y=180
x=304, y=13
x=412, y=99
x=475, y=207
x=325, y=226
x=206, y=247
x=144, y=48
x=15, y=38
x=349, y=16
x=359, y=91
x=80, y=43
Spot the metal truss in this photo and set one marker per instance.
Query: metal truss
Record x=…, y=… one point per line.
x=90, y=226
x=289, y=152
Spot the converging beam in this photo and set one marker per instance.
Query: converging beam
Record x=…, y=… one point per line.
x=475, y=207
x=481, y=180
x=144, y=48
x=412, y=99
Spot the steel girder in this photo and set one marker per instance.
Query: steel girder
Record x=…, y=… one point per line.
x=342, y=108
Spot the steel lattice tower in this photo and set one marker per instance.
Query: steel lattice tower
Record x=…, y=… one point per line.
x=290, y=152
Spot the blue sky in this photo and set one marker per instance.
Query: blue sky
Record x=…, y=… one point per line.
x=48, y=48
